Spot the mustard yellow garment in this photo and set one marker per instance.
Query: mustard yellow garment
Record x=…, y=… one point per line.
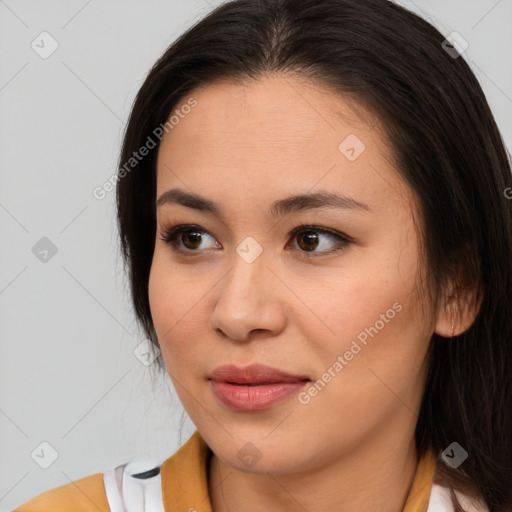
x=84, y=495
x=185, y=486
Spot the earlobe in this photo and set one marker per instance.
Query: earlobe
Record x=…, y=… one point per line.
x=447, y=318
x=457, y=314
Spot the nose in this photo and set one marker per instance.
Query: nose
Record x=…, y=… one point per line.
x=248, y=302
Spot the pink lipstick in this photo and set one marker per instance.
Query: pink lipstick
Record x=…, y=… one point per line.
x=254, y=387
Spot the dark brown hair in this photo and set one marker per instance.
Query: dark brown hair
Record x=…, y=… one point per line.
x=447, y=148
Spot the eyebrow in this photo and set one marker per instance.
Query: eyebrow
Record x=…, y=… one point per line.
x=281, y=207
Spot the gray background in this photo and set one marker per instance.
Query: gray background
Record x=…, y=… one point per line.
x=69, y=376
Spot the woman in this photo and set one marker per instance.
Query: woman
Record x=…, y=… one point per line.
x=313, y=208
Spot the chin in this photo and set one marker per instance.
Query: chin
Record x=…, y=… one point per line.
x=258, y=454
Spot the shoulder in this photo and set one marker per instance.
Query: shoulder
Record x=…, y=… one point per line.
x=83, y=495
x=130, y=486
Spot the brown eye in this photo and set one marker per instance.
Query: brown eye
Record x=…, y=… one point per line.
x=191, y=239
x=307, y=240
x=186, y=238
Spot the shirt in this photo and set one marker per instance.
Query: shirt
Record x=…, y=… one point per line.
x=184, y=480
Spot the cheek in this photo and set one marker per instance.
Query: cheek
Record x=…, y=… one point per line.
x=375, y=315
x=171, y=293
x=177, y=306
x=382, y=340
x=159, y=293
x=167, y=299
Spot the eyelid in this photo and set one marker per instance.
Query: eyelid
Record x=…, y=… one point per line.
x=321, y=229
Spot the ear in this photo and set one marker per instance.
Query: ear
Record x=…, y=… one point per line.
x=457, y=312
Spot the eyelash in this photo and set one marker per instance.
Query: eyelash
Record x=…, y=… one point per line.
x=169, y=235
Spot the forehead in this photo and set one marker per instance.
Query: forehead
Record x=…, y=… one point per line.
x=277, y=133
x=270, y=109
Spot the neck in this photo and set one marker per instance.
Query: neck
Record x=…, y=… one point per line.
x=376, y=476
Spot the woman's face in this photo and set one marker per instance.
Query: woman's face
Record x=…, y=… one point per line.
x=344, y=318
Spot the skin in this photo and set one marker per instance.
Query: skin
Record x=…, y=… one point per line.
x=244, y=146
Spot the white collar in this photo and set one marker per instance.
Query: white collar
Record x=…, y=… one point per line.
x=441, y=501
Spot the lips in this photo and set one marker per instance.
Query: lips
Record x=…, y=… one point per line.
x=253, y=387
x=253, y=375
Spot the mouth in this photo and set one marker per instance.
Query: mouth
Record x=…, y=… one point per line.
x=250, y=383
x=254, y=387
x=254, y=374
